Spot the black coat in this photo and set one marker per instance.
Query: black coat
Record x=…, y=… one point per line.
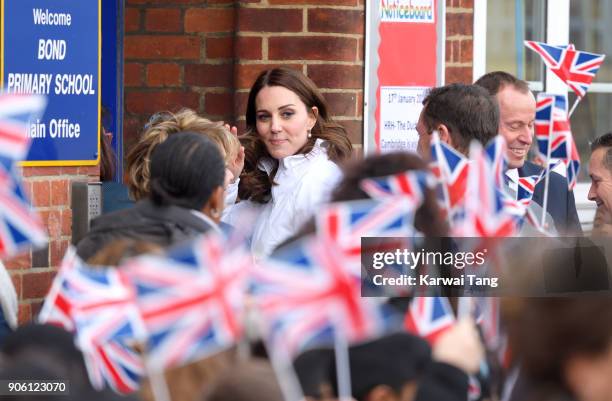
x=561, y=204
x=164, y=226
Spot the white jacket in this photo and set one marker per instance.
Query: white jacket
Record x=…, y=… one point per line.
x=305, y=182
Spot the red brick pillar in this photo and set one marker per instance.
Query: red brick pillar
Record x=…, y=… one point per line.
x=459, y=40
x=178, y=53
x=321, y=38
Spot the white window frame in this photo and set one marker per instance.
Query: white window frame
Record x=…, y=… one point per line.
x=557, y=32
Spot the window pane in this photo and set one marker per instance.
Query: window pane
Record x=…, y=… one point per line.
x=506, y=33
x=591, y=119
x=591, y=30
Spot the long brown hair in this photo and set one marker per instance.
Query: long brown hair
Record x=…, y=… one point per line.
x=256, y=184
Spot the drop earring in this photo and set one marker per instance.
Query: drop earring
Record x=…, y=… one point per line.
x=309, y=134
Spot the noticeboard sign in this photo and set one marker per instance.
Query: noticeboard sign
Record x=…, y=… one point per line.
x=53, y=48
x=404, y=59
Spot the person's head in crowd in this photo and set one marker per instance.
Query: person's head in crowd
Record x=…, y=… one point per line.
x=428, y=219
x=393, y=367
x=600, y=171
x=251, y=380
x=517, y=108
x=286, y=114
x=564, y=343
x=47, y=352
x=161, y=127
x=459, y=113
x=187, y=170
x=119, y=250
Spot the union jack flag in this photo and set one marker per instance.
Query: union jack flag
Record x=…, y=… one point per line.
x=56, y=309
x=485, y=212
x=576, y=68
x=345, y=223
x=410, y=184
x=553, y=129
x=495, y=152
x=116, y=365
x=16, y=113
x=19, y=225
x=307, y=295
x=103, y=306
x=451, y=170
x=108, y=359
x=429, y=317
x=526, y=187
x=191, y=299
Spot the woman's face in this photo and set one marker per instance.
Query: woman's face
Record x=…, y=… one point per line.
x=282, y=120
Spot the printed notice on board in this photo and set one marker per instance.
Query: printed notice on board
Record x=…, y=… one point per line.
x=399, y=113
x=407, y=11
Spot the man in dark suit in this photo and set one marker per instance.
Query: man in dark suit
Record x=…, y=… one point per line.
x=517, y=109
x=459, y=113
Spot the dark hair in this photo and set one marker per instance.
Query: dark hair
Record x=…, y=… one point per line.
x=497, y=80
x=246, y=381
x=256, y=184
x=107, y=154
x=604, y=141
x=468, y=111
x=50, y=347
x=545, y=332
x=185, y=170
x=427, y=219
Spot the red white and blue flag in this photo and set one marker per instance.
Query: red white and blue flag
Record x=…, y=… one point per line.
x=553, y=129
x=345, y=223
x=496, y=155
x=116, y=365
x=576, y=68
x=104, y=331
x=410, y=184
x=451, y=170
x=57, y=308
x=307, y=295
x=429, y=317
x=485, y=211
x=191, y=299
x=103, y=304
x=20, y=227
x=16, y=113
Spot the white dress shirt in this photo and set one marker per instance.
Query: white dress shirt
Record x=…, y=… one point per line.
x=305, y=182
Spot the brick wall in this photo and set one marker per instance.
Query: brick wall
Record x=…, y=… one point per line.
x=322, y=38
x=459, y=40
x=178, y=53
x=206, y=55
x=32, y=272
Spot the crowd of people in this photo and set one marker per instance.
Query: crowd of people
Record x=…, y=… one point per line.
x=189, y=176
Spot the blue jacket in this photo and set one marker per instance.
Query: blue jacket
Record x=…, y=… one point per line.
x=561, y=204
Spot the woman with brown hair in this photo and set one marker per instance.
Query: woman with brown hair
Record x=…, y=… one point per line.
x=292, y=147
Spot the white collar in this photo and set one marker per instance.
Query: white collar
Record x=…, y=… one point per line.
x=513, y=174
x=207, y=219
x=267, y=164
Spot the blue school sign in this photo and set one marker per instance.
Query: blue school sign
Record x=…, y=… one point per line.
x=53, y=48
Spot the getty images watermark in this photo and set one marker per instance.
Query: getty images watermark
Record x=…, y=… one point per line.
x=405, y=259
x=486, y=267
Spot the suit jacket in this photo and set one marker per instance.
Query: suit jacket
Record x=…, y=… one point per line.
x=561, y=204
